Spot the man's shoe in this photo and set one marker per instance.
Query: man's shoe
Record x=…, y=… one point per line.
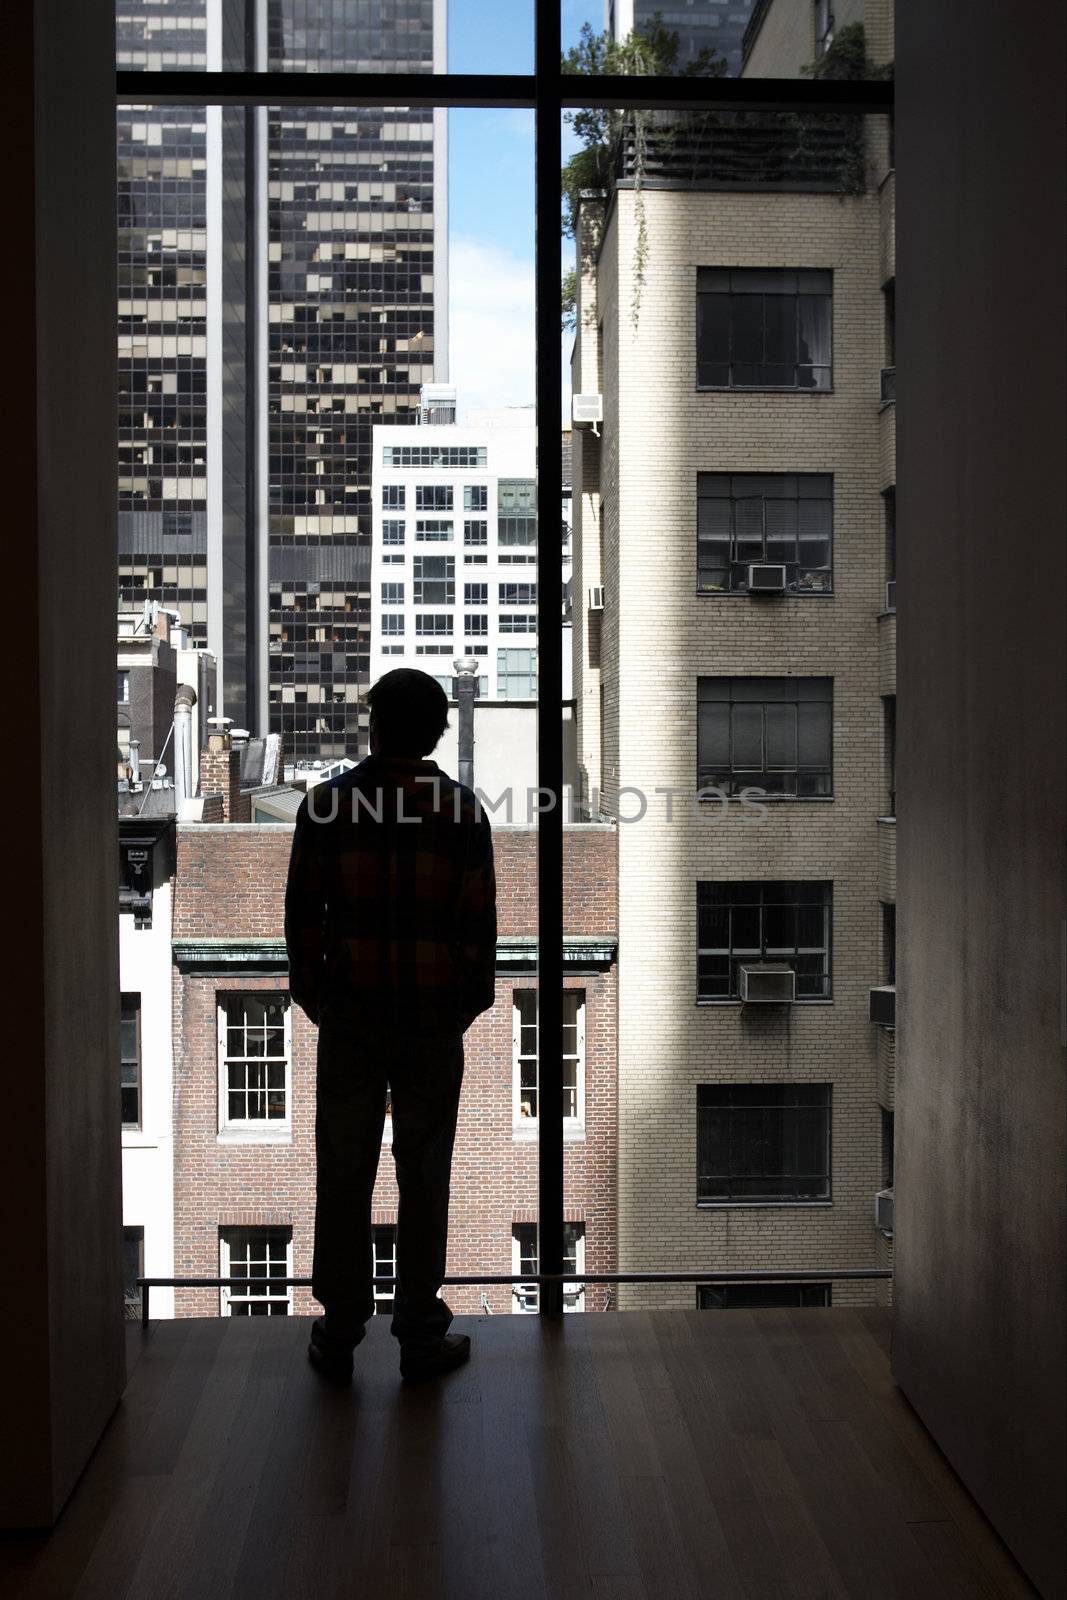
x=419, y=1362
x=330, y=1356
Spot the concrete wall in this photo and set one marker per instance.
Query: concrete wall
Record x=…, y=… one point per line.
x=62, y=1350
x=980, y=1242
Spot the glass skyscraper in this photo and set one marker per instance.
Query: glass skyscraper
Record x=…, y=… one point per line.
x=282, y=287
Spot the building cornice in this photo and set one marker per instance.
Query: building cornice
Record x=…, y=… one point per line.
x=514, y=952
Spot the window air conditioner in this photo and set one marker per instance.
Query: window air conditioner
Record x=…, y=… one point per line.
x=883, y=1005
x=883, y=1210
x=891, y=595
x=768, y=985
x=596, y=598
x=587, y=408
x=766, y=578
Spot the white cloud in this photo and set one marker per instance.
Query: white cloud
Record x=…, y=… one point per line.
x=491, y=326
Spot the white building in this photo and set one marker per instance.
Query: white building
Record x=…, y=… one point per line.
x=454, y=554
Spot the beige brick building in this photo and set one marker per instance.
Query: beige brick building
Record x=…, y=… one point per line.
x=700, y=431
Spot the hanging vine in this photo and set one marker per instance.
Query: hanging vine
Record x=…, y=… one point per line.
x=605, y=133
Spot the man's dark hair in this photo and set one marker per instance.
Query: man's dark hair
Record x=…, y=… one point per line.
x=409, y=710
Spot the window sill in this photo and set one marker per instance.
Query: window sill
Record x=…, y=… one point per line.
x=764, y=1205
x=746, y=594
x=526, y=1131
x=760, y=797
x=255, y=1136
x=720, y=388
x=761, y=1005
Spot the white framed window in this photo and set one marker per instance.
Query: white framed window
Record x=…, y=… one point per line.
x=258, y=1256
x=383, y=1245
x=525, y=1090
x=525, y=1297
x=255, y=1065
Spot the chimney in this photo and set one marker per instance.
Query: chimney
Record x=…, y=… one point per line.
x=184, y=701
x=135, y=760
x=220, y=772
x=466, y=685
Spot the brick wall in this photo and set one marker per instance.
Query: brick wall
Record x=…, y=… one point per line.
x=230, y=883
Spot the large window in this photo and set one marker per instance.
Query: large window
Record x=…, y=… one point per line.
x=525, y=1099
x=254, y=1063
x=393, y=496
x=434, y=497
x=761, y=329
x=436, y=455
x=258, y=1257
x=743, y=923
x=749, y=519
x=383, y=1246
x=433, y=624
x=433, y=580
x=526, y=1297
x=130, y=1059
x=516, y=674
x=476, y=497
x=774, y=734
x=763, y=1143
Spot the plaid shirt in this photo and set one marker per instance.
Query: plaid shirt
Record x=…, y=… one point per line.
x=390, y=906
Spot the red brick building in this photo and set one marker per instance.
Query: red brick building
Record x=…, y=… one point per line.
x=244, y=1079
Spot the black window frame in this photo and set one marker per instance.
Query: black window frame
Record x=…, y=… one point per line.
x=753, y=1110
x=803, y=580
x=741, y=286
x=424, y=588
x=545, y=91
x=739, y=898
x=733, y=777
x=130, y=1003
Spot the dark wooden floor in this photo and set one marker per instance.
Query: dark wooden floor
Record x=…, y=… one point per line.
x=730, y=1454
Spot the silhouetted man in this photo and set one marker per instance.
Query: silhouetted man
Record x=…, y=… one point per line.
x=390, y=922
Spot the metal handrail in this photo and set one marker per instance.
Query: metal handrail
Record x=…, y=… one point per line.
x=760, y=1275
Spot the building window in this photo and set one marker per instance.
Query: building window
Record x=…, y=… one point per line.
x=392, y=594
x=433, y=624
x=258, y=1257
x=392, y=649
x=525, y=1297
x=435, y=455
x=774, y=734
x=434, y=580
x=392, y=533
x=524, y=559
x=476, y=625
x=889, y=501
x=475, y=533
x=476, y=497
x=889, y=943
x=763, y=329
x=433, y=497
x=888, y=1147
x=392, y=497
x=254, y=1062
x=763, y=1143
x=525, y=1104
x=132, y=1269
x=475, y=560
x=433, y=530
x=518, y=622
x=130, y=1059
x=742, y=923
x=438, y=650
x=393, y=625
x=516, y=674
x=761, y=1296
x=124, y=687
x=746, y=518
x=518, y=594
x=889, y=706
x=383, y=1245
x=475, y=594
x=393, y=560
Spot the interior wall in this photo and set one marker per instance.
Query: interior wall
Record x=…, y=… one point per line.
x=980, y=1241
x=62, y=1338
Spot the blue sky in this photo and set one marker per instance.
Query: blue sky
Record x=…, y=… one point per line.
x=491, y=216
